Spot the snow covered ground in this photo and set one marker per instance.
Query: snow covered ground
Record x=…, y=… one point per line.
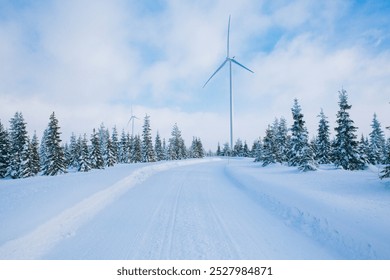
x=197, y=209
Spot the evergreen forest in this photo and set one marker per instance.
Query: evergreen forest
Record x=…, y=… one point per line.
x=23, y=156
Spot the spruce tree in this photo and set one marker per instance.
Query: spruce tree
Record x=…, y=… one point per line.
x=27, y=163
x=130, y=148
x=238, y=149
x=377, y=143
x=387, y=151
x=43, y=149
x=322, y=143
x=109, y=153
x=257, y=149
x=269, y=148
x=247, y=152
x=165, y=149
x=345, y=146
x=35, y=160
x=199, y=148
x=55, y=159
x=196, y=149
x=103, y=135
x=226, y=150
x=148, y=153
x=192, y=150
x=300, y=153
x=177, y=148
x=274, y=127
x=67, y=155
x=385, y=173
x=18, y=145
x=4, y=152
x=364, y=150
x=313, y=147
x=115, y=143
x=219, y=150
x=74, y=151
x=158, y=148
x=280, y=133
x=137, y=149
x=84, y=164
x=124, y=152
x=96, y=156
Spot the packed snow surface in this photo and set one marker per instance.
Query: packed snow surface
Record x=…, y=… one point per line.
x=213, y=208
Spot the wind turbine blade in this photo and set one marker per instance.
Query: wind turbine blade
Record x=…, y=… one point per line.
x=228, y=35
x=216, y=71
x=239, y=64
x=132, y=119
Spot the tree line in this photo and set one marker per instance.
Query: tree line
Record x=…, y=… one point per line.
x=22, y=156
x=293, y=147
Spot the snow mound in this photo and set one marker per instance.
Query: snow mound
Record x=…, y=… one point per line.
x=343, y=210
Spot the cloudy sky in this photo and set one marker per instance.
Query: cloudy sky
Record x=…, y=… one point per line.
x=91, y=61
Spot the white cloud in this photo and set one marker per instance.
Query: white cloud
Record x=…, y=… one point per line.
x=90, y=63
x=305, y=69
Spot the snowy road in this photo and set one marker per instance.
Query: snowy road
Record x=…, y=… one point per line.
x=190, y=212
x=186, y=210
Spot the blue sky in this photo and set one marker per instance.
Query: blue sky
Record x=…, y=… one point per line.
x=90, y=61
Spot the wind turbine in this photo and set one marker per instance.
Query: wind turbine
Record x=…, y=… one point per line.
x=230, y=60
x=132, y=118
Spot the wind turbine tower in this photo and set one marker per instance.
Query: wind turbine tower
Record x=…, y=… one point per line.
x=230, y=60
x=132, y=118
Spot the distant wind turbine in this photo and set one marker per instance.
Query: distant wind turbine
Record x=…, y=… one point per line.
x=230, y=60
x=132, y=118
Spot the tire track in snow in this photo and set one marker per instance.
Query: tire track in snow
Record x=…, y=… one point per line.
x=146, y=238
x=231, y=245
x=184, y=222
x=37, y=243
x=158, y=235
x=171, y=229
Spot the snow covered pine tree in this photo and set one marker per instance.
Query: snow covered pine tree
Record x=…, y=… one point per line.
x=300, y=153
x=377, y=143
x=96, y=156
x=177, y=148
x=158, y=148
x=83, y=160
x=345, y=146
x=322, y=143
x=385, y=173
x=18, y=145
x=4, y=152
x=148, y=154
x=196, y=149
x=268, y=152
x=54, y=154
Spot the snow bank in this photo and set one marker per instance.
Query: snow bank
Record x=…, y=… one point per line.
x=346, y=211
